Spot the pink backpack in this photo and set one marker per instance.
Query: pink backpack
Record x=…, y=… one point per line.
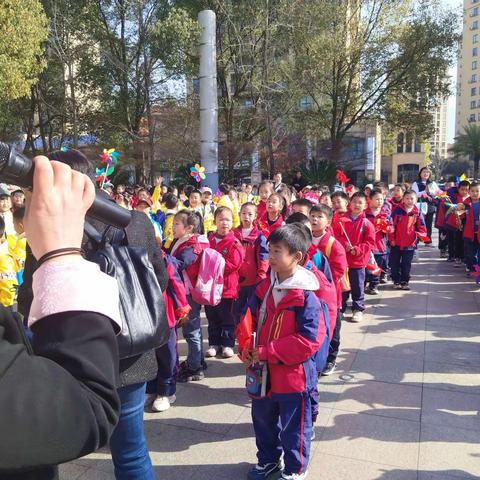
x=209, y=287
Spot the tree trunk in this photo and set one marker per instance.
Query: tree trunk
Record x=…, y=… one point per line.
x=476, y=160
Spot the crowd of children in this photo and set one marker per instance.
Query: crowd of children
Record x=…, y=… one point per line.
x=278, y=268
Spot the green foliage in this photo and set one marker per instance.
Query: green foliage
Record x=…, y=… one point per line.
x=468, y=145
x=23, y=28
x=319, y=172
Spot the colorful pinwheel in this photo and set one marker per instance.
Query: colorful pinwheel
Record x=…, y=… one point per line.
x=198, y=172
x=109, y=158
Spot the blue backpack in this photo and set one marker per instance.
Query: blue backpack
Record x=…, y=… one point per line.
x=321, y=354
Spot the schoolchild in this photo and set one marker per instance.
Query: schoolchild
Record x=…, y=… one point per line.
x=274, y=216
x=265, y=189
x=470, y=232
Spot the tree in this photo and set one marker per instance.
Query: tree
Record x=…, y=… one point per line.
x=467, y=144
x=23, y=28
x=360, y=59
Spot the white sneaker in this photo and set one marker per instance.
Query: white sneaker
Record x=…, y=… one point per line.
x=227, y=352
x=357, y=316
x=294, y=476
x=149, y=399
x=212, y=351
x=161, y=404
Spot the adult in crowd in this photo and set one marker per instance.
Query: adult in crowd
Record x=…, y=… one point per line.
x=58, y=402
x=425, y=189
x=299, y=182
x=127, y=444
x=277, y=182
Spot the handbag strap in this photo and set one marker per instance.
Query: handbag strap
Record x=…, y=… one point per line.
x=99, y=240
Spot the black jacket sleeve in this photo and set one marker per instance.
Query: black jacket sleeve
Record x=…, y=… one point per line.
x=60, y=403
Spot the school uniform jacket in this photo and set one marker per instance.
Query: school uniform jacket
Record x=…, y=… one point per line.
x=188, y=254
x=265, y=227
x=232, y=251
x=406, y=225
x=255, y=261
x=293, y=330
x=360, y=233
x=453, y=221
x=176, y=303
x=469, y=229
x=383, y=217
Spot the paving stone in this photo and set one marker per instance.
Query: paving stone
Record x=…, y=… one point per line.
x=451, y=376
x=71, y=471
x=453, y=351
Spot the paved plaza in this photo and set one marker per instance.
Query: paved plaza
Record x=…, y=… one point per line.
x=402, y=405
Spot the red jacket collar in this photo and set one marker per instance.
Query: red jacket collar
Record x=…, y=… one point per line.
x=251, y=237
x=293, y=298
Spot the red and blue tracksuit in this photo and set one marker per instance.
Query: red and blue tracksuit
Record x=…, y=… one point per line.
x=440, y=224
x=267, y=226
x=359, y=233
x=292, y=331
x=188, y=252
x=471, y=236
x=221, y=318
x=403, y=241
x=454, y=224
x=176, y=307
x=254, y=266
x=379, y=221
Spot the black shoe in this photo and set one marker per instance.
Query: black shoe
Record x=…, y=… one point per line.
x=383, y=280
x=397, y=286
x=450, y=259
x=329, y=369
x=405, y=286
x=186, y=374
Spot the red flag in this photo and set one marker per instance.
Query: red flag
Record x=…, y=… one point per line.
x=244, y=331
x=423, y=237
x=341, y=177
x=382, y=225
x=372, y=265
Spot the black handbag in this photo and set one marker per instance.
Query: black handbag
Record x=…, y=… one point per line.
x=142, y=306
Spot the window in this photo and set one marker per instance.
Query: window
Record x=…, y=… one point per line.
x=473, y=91
x=473, y=104
x=474, y=65
x=472, y=117
x=474, y=12
x=474, y=78
x=475, y=38
x=306, y=103
x=475, y=25
x=474, y=52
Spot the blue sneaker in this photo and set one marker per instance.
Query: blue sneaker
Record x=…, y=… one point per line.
x=261, y=472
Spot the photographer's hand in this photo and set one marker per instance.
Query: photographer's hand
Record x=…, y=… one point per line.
x=56, y=208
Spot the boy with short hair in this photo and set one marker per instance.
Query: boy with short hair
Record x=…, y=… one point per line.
x=302, y=205
x=408, y=224
x=470, y=231
x=290, y=329
x=323, y=240
x=357, y=236
x=339, y=204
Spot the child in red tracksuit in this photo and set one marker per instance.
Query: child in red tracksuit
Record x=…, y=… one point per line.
x=274, y=216
x=382, y=224
x=290, y=328
x=221, y=317
x=323, y=240
x=408, y=225
x=187, y=249
x=255, y=262
x=357, y=236
x=162, y=390
x=470, y=231
x=264, y=191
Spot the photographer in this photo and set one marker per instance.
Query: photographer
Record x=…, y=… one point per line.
x=60, y=402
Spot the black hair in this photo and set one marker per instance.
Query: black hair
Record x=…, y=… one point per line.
x=302, y=202
x=220, y=210
x=321, y=208
x=474, y=184
x=296, y=237
x=266, y=183
x=248, y=204
x=420, y=174
x=464, y=183
x=340, y=194
x=297, y=217
x=224, y=188
x=375, y=191
x=19, y=214
x=196, y=191
x=191, y=218
x=400, y=185
x=2, y=227
x=359, y=195
x=75, y=160
x=283, y=212
x=170, y=200
x=188, y=189
x=410, y=192
x=380, y=185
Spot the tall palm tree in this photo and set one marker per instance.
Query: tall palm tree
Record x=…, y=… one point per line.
x=468, y=144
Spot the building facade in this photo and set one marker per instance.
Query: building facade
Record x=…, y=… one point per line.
x=438, y=141
x=468, y=70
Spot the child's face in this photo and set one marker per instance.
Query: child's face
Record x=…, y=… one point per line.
x=5, y=204
x=264, y=192
x=247, y=216
x=357, y=205
x=397, y=193
x=206, y=197
x=224, y=222
x=232, y=194
x=248, y=189
x=409, y=200
x=376, y=201
x=281, y=260
x=319, y=222
x=463, y=190
x=302, y=209
x=195, y=199
x=475, y=193
x=18, y=199
x=274, y=205
x=326, y=200
x=178, y=228
x=339, y=204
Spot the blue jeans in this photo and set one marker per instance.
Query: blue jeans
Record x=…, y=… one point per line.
x=127, y=444
x=401, y=264
x=192, y=333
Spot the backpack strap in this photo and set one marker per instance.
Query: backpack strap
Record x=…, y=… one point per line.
x=92, y=233
x=328, y=248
